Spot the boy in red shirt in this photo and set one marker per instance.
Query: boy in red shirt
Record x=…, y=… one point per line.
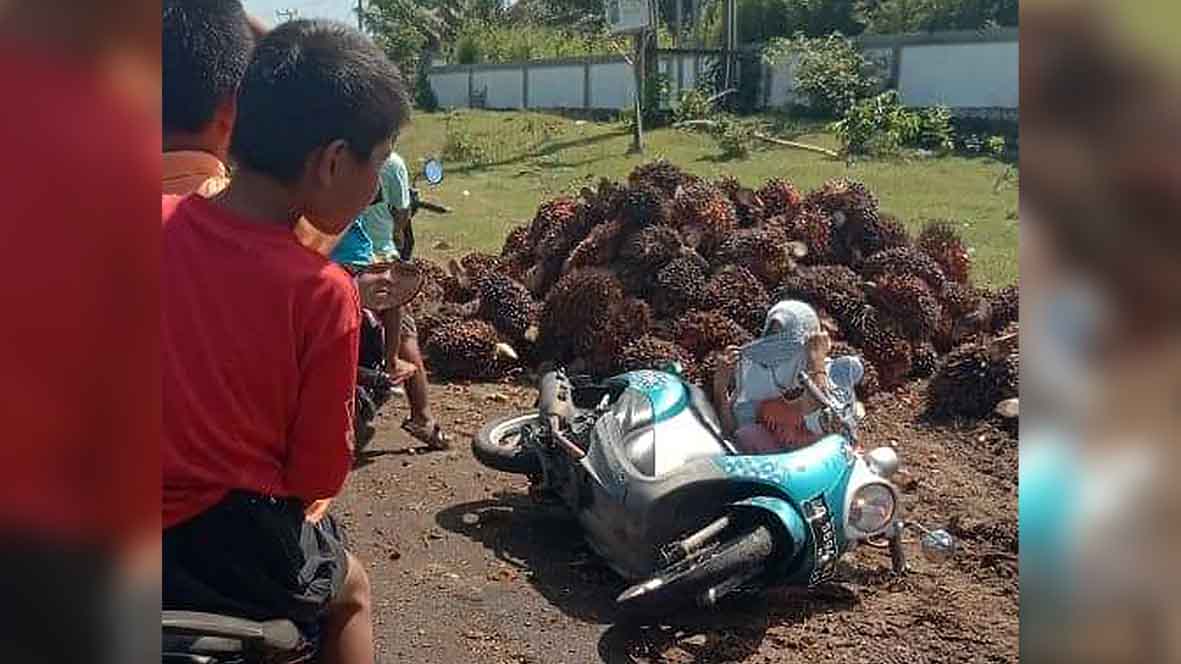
x=259, y=342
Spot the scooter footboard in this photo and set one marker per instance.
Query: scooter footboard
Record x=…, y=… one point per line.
x=792, y=531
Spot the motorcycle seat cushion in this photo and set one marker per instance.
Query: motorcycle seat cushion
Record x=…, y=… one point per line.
x=272, y=634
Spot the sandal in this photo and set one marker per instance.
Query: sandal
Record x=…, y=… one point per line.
x=403, y=372
x=430, y=433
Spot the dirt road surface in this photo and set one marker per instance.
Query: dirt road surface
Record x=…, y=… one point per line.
x=465, y=569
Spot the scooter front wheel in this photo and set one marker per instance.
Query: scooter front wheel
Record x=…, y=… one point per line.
x=737, y=559
x=499, y=444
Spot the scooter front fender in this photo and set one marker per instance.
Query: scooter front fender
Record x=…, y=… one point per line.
x=788, y=516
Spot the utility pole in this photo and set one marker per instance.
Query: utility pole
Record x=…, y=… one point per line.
x=360, y=20
x=638, y=67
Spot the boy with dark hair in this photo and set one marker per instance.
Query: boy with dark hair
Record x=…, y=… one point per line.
x=206, y=47
x=259, y=342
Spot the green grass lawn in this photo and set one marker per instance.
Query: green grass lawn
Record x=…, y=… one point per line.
x=529, y=157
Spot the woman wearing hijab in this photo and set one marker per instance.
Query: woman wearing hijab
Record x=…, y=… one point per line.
x=766, y=409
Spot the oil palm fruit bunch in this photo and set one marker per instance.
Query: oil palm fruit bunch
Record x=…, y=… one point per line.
x=578, y=304
x=644, y=204
x=762, y=251
x=737, y=293
x=704, y=216
x=663, y=175
x=678, y=286
x=468, y=349
x=748, y=207
x=909, y=302
x=558, y=226
x=941, y=241
x=507, y=305
x=703, y=332
x=924, y=361
x=780, y=198
x=1005, y=306
x=818, y=285
x=650, y=352
x=974, y=378
x=516, y=242
x=650, y=248
x=812, y=226
x=905, y=261
x=426, y=322
x=597, y=248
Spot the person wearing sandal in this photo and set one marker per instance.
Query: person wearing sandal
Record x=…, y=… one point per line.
x=369, y=241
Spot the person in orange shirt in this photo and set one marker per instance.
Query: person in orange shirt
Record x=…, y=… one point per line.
x=206, y=47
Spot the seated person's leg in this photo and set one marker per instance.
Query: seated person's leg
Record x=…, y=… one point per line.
x=348, y=629
x=399, y=369
x=755, y=439
x=421, y=423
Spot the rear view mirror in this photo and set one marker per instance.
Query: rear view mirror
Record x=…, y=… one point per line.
x=433, y=171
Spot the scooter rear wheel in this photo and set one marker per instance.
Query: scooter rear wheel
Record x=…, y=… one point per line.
x=681, y=583
x=499, y=444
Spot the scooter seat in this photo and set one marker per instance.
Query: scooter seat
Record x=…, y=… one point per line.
x=220, y=632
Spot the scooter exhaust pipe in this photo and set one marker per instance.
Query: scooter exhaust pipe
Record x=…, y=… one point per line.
x=680, y=550
x=711, y=597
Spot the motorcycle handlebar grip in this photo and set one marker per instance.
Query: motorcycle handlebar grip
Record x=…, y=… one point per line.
x=554, y=398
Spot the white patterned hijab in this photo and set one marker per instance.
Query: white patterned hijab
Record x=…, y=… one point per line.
x=771, y=364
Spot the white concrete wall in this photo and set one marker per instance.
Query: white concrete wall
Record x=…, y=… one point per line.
x=964, y=74
x=559, y=86
x=504, y=87
x=783, y=82
x=450, y=88
x=960, y=75
x=612, y=85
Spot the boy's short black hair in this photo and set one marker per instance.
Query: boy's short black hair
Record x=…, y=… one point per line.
x=310, y=83
x=206, y=49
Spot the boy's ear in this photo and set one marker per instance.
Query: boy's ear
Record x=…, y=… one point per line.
x=224, y=116
x=330, y=162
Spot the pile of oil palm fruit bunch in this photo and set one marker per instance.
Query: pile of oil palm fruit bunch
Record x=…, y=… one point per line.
x=668, y=267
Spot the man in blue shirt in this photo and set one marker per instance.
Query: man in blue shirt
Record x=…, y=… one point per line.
x=371, y=239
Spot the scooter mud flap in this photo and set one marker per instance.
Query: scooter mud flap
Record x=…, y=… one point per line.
x=785, y=514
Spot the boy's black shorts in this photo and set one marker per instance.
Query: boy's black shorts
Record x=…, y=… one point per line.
x=254, y=557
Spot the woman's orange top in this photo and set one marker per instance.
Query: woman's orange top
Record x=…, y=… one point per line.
x=784, y=420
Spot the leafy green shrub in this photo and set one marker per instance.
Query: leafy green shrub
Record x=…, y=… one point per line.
x=832, y=73
x=735, y=138
x=462, y=145
x=936, y=132
x=694, y=104
x=424, y=96
x=997, y=146
x=881, y=125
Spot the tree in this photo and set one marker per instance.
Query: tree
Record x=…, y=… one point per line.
x=759, y=21
x=894, y=16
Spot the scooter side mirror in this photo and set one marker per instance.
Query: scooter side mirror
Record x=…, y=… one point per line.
x=433, y=171
x=938, y=546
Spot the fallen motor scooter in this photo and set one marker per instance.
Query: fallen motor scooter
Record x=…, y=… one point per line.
x=669, y=502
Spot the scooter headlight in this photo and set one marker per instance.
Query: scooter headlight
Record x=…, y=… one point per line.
x=872, y=508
